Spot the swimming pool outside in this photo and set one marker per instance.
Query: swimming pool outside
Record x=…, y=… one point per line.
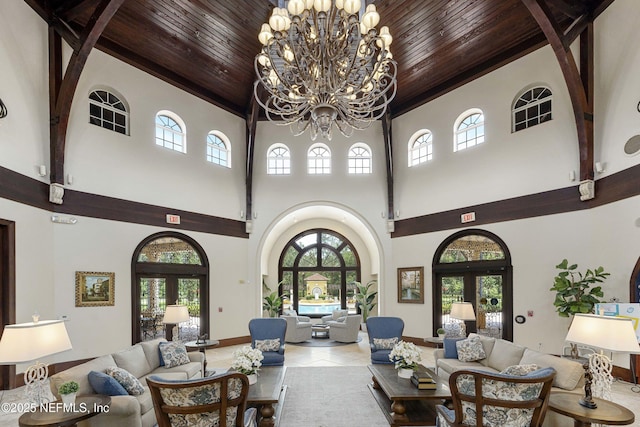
x=325, y=308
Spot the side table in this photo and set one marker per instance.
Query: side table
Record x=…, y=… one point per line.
x=202, y=347
x=606, y=413
x=55, y=415
x=437, y=341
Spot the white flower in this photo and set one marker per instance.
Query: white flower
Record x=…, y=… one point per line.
x=247, y=360
x=405, y=355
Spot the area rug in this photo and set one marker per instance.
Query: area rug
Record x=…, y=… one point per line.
x=323, y=342
x=330, y=397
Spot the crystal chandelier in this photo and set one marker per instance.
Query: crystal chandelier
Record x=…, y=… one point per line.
x=320, y=65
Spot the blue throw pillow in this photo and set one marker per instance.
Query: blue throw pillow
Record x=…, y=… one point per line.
x=450, y=349
x=106, y=384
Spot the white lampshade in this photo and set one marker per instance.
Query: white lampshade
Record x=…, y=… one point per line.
x=26, y=342
x=605, y=332
x=462, y=311
x=175, y=314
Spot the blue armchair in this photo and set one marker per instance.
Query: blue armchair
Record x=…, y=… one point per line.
x=383, y=328
x=264, y=333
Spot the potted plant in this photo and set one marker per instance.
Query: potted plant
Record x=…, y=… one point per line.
x=247, y=360
x=365, y=297
x=574, y=291
x=440, y=332
x=68, y=392
x=405, y=356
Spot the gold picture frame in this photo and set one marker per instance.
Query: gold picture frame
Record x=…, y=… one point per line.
x=95, y=289
x=411, y=285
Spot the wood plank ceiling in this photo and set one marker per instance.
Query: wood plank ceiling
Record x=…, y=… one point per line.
x=207, y=47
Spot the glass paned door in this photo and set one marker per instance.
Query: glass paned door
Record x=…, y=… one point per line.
x=152, y=306
x=451, y=289
x=189, y=295
x=488, y=303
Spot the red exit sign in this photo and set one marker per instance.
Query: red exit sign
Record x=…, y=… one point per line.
x=173, y=219
x=468, y=217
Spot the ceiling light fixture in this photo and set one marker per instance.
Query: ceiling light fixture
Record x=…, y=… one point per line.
x=322, y=66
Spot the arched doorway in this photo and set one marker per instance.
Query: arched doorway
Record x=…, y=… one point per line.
x=166, y=268
x=474, y=265
x=316, y=271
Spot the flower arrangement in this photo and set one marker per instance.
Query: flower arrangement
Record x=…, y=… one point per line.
x=69, y=387
x=247, y=360
x=405, y=355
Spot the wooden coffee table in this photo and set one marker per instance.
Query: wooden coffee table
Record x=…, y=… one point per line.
x=403, y=403
x=607, y=412
x=267, y=395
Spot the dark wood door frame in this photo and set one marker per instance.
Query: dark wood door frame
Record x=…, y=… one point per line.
x=7, y=292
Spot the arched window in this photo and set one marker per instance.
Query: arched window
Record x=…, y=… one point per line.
x=108, y=111
x=278, y=160
x=468, y=129
x=218, y=149
x=360, y=159
x=316, y=271
x=169, y=267
x=475, y=266
x=420, y=147
x=319, y=160
x=171, y=131
x=532, y=107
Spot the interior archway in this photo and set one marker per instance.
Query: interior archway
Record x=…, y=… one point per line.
x=309, y=216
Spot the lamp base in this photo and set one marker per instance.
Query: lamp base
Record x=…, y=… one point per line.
x=588, y=402
x=34, y=379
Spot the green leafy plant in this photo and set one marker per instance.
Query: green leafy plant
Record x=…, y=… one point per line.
x=440, y=331
x=69, y=387
x=365, y=298
x=574, y=291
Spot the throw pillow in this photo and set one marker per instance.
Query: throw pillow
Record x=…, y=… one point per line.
x=519, y=370
x=450, y=349
x=173, y=354
x=105, y=384
x=127, y=380
x=470, y=350
x=385, y=343
x=268, y=345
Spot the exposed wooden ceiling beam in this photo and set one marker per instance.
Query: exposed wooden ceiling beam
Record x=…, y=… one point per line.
x=580, y=86
x=62, y=90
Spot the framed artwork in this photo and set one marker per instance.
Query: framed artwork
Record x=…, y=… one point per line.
x=411, y=285
x=94, y=289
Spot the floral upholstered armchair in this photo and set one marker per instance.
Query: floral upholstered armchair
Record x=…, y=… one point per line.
x=516, y=399
x=219, y=400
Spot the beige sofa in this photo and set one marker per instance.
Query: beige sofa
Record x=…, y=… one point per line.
x=501, y=354
x=141, y=360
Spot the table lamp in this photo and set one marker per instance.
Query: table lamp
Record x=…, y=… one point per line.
x=27, y=342
x=462, y=311
x=174, y=315
x=615, y=334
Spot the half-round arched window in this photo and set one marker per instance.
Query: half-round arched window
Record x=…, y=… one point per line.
x=359, y=159
x=468, y=129
x=278, y=160
x=531, y=107
x=319, y=160
x=171, y=131
x=218, y=149
x=474, y=266
x=420, y=147
x=109, y=111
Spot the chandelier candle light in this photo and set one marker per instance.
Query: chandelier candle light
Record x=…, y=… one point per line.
x=322, y=66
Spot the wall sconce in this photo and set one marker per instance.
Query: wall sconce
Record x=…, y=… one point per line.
x=599, y=166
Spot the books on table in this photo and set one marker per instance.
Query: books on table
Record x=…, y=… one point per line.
x=423, y=381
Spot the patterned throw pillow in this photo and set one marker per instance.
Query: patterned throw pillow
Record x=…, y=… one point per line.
x=385, y=343
x=519, y=370
x=268, y=345
x=470, y=350
x=127, y=380
x=173, y=354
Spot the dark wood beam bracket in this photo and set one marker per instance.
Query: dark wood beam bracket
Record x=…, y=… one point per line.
x=579, y=83
x=251, y=121
x=61, y=91
x=388, y=151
